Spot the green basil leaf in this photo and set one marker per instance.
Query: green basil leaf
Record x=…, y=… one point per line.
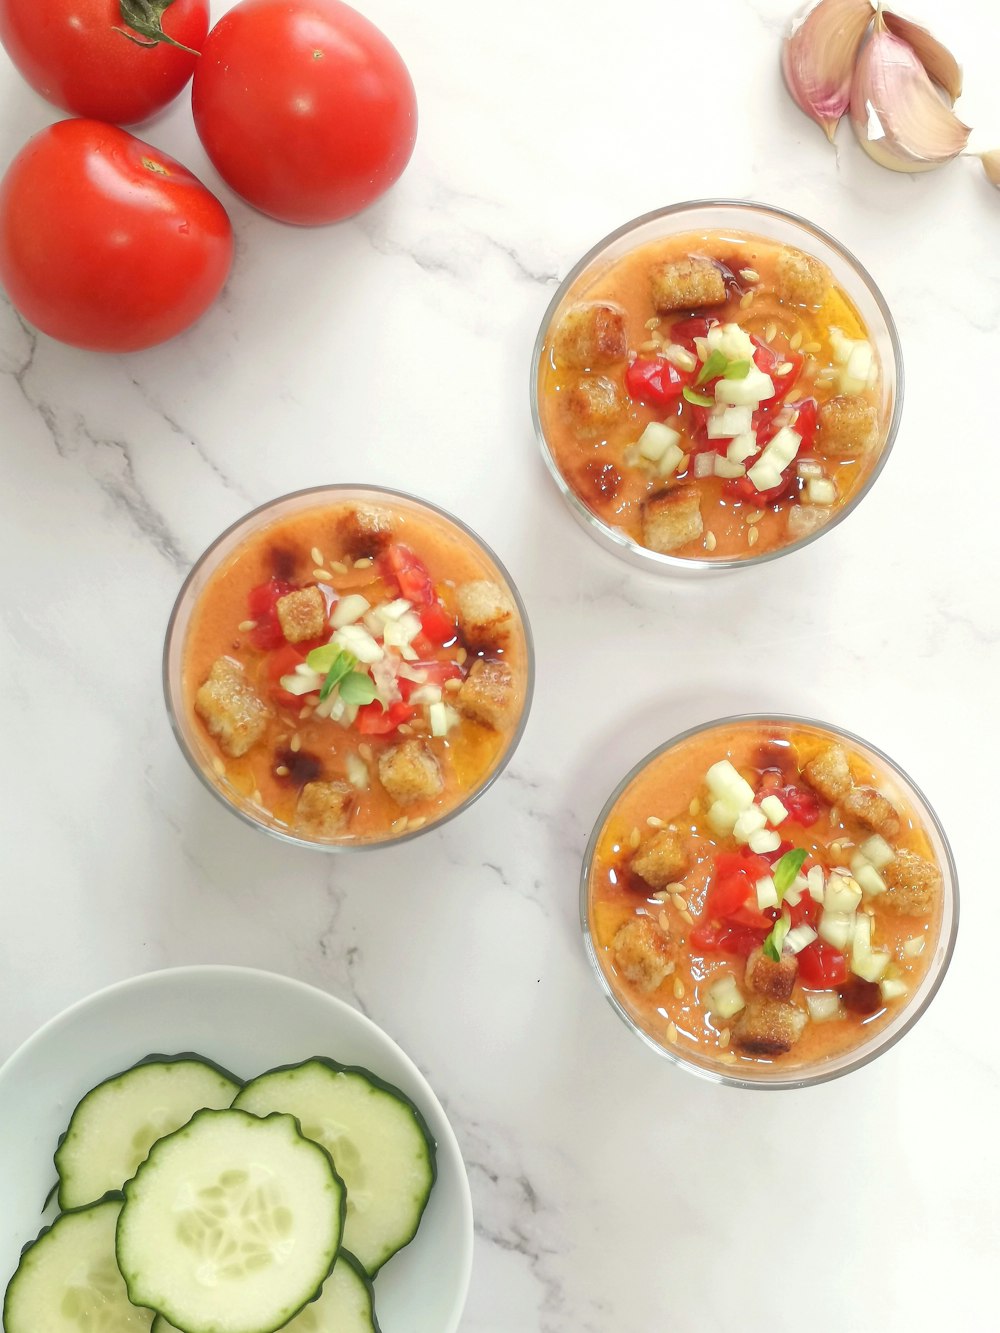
x=357, y=688
x=713, y=367
x=343, y=665
x=787, y=869
x=702, y=399
x=322, y=659
x=737, y=370
x=773, y=943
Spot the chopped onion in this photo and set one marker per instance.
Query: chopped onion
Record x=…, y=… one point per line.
x=870, y=966
x=349, y=610
x=893, y=988
x=734, y=343
x=750, y=821
x=764, y=476
x=799, y=936
x=836, y=928
x=723, y=998
x=725, y=783
x=870, y=880
x=753, y=389
x=824, y=1005
x=766, y=840
x=722, y=817
x=843, y=894
x=773, y=809
x=655, y=439
x=301, y=684
x=426, y=694
x=723, y=468
x=357, y=772
x=672, y=458
x=815, y=883
x=821, y=491
x=808, y=467
x=357, y=640
x=914, y=946
x=438, y=714
x=680, y=357
x=725, y=422
x=742, y=447
x=877, y=851
x=704, y=465
x=767, y=893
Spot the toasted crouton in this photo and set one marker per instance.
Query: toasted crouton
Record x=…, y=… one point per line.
x=301, y=614
x=870, y=807
x=800, y=279
x=805, y=519
x=687, y=284
x=485, y=614
x=848, y=426
x=364, y=531
x=324, y=808
x=830, y=773
x=487, y=694
x=672, y=519
x=661, y=859
x=409, y=772
x=768, y=1027
x=642, y=953
x=230, y=708
x=911, y=884
x=594, y=404
x=766, y=977
x=591, y=334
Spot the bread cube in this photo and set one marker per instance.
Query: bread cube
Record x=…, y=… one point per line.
x=871, y=808
x=687, y=284
x=302, y=614
x=848, y=427
x=324, y=808
x=800, y=279
x=409, y=772
x=773, y=980
x=911, y=884
x=591, y=334
x=768, y=1027
x=230, y=708
x=642, y=954
x=594, y=404
x=661, y=859
x=487, y=694
x=364, y=531
x=672, y=519
x=485, y=614
x=830, y=773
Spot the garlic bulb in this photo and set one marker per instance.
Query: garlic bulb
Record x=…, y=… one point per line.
x=898, y=117
x=936, y=59
x=991, y=165
x=818, y=55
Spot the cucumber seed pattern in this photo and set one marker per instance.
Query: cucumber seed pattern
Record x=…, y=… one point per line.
x=237, y=1225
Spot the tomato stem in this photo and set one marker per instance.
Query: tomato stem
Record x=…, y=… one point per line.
x=145, y=17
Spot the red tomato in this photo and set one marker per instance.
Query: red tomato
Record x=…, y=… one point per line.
x=305, y=109
x=261, y=603
x=107, y=243
x=657, y=381
x=282, y=662
x=399, y=565
x=821, y=965
x=374, y=720
x=82, y=54
x=684, y=331
x=437, y=624
x=805, y=912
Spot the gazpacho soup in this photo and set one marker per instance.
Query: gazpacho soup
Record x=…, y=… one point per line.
x=354, y=667
x=712, y=395
x=764, y=896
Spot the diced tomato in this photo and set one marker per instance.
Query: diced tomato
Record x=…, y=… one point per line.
x=438, y=672
x=400, y=565
x=742, y=488
x=764, y=358
x=806, y=421
x=784, y=384
x=733, y=881
x=805, y=912
x=684, y=331
x=802, y=805
x=657, y=381
x=261, y=603
x=437, y=624
x=374, y=720
x=282, y=662
x=821, y=965
x=738, y=941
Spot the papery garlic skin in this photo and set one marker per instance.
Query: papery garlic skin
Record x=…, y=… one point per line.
x=937, y=60
x=991, y=165
x=898, y=117
x=818, y=55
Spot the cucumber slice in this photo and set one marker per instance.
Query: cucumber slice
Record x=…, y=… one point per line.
x=377, y=1138
x=68, y=1281
x=115, y=1124
x=346, y=1305
x=231, y=1224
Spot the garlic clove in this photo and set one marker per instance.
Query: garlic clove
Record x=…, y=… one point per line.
x=898, y=117
x=936, y=59
x=818, y=55
x=991, y=165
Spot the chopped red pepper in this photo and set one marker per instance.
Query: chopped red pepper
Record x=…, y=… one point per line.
x=398, y=564
x=658, y=381
x=261, y=603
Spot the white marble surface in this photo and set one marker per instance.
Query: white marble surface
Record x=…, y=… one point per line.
x=614, y=1194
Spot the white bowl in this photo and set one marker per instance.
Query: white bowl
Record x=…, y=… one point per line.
x=246, y=1021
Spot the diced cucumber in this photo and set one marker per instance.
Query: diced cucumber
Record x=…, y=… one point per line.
x=377, y=1138
x=68, y=1281
x=115, y=1124
x=346, y=1304
x=231, y=1224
